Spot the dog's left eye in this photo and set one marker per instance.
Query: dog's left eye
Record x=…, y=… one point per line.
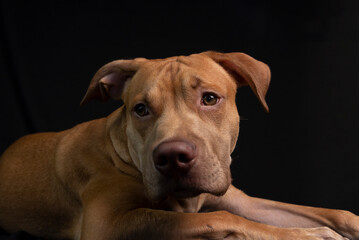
x=209, y=99
x=141, y=110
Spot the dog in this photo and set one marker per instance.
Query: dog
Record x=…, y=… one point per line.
x=157, y=167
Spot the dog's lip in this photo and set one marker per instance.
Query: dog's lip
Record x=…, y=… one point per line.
x=185, y=188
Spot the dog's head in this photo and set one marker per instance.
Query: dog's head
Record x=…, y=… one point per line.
x=181, y=119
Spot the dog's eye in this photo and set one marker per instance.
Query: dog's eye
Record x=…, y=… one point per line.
x=209, y=99
x=141, y=110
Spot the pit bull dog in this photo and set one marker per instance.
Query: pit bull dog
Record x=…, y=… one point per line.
x=157, y=167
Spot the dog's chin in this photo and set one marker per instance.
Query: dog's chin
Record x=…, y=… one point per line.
x=188, y=186
x=186, y=189
x=193, y=192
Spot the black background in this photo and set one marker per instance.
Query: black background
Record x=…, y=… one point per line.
x=304, y=151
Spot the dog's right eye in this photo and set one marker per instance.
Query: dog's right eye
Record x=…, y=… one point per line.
x=209, y=99
x=141, y=110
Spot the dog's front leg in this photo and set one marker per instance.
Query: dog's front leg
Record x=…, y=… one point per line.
x=288, y=215
x=115, y=208
x=155, y=224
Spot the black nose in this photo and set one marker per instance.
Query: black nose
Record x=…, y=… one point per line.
x=174, y=157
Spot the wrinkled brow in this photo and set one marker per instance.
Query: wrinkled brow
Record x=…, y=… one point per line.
x=196, y=82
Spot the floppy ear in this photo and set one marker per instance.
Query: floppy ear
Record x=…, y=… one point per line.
x=109, y=81
x=246, y=71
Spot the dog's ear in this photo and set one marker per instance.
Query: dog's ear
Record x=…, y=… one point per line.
x=246, y=71
x=109, y=81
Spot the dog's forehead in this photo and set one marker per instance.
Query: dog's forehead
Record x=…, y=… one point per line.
x=195, y=63
x=159, y=77
x=180, y=68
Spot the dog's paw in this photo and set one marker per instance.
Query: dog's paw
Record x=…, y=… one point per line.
x=325, y=233
x=348, y=224
x=318, y=233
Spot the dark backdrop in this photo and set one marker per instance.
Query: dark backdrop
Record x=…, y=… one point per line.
x=304, y=151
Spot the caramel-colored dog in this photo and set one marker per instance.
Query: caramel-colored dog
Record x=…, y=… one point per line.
x=156, y=168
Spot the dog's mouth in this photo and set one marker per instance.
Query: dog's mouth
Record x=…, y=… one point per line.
x=192, y=186
x=179, y=190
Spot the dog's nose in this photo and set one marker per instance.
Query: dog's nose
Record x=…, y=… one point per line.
x=174, y=157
